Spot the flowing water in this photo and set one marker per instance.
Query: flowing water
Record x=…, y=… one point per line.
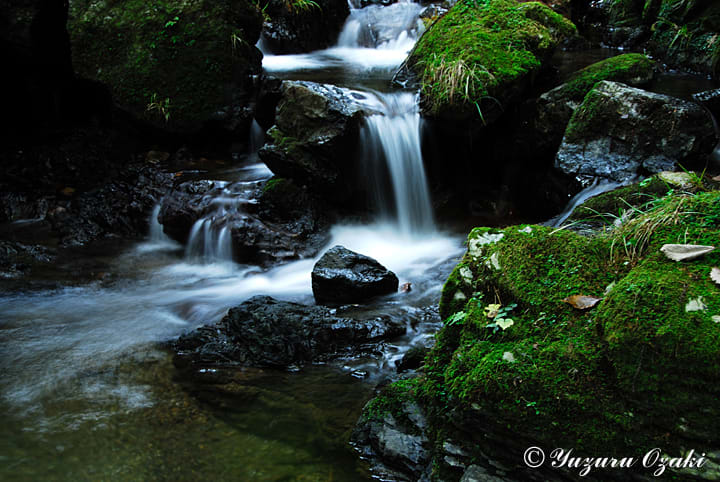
x=87, y=389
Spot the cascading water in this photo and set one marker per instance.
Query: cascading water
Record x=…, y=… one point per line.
x=393, y=137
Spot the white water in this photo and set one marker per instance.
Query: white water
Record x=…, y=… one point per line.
x=373, y=38
x=62, y=346
x=596, y=188
x=392, y=139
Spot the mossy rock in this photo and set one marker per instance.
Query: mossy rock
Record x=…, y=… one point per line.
x=482, y=55
x=177, y=64
x=555, y=107
x=636, y=371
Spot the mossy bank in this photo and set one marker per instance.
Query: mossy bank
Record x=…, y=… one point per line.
x=176, y=64
x=517, y=363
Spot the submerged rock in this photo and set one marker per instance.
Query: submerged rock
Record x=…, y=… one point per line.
x=620, y=132
x=265, y=332
x=315, y=138
x=344, y=276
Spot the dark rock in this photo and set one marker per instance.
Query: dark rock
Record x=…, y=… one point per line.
x=185, y=66
x=17, y=258
x=343, y=276
x=264, y=332
x=274, y=222
x=398, y=445
x=412, y=359
x=268, y=98
x=296, y=30
x=555, y=108
x=119, y=208
x=620, y=132
x=315, y=138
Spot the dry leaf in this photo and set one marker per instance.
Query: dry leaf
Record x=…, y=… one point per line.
x=715, y=275
x=508, y=356
x=491, y=310
x=582, y=302
x=685, y=252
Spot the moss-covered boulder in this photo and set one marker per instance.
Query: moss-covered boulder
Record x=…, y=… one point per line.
x=178, y=64
x=302, y=26
x=482, y=56
x=620, y=132
x=517, y=363
x=554, y=108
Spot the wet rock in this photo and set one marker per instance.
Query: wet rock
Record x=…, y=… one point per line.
x=302, y=29
x=555, y=108
x=16, y=259
x=620, y=132
x=264, y=332
x=315, y=138
x=275, y=221
x=397, y=445
x=476, y=473
x=343, y=276
x=412, y=359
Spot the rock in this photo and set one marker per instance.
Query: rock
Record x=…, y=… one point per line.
x=264, y=332
x=555, y=108
x=180, y=65
x=391, y=432
x=479, y=59
x=302, y=29
x=620, y=132
x=343, y=276
x=412, y=359
x=274, y=222
x=476, y=473
x=315, y=138
x=16, y=259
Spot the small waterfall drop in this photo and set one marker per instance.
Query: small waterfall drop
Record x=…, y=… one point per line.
x=596, y=188
x=393, y=136
x=393, y=27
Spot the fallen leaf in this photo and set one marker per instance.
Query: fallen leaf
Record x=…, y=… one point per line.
x=504, y=323
x=68, y=191
x=508, y=356
x=491, y=310
x=695, y=305
x=716, y=318
x=685, y=252
x=715, y=275
x=716, y=178
x=582, y=302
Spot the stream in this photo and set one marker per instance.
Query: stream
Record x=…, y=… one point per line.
x=88, y=389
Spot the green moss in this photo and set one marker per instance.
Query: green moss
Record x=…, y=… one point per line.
x=482, y=47
x=626, y=68
x=391, y=400
x=607, y=207
x=187, y=52
x=634, y=372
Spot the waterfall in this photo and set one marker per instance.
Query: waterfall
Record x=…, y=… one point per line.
x=392, y=27
x=393, y=138
x=596, y=188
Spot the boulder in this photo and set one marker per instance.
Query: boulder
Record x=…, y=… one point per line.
x=267, y=222
x=343, y=276
x=391, y=433
x=292, y=28
x=179, y=65
x=620, y=132
x=315, y=138
x=482, y=57
x=265, y=332
x=555, y=108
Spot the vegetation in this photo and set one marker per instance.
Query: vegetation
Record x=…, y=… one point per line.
x=480, y=48
x=637, y=371
x=627, y=68
x=149, y=54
